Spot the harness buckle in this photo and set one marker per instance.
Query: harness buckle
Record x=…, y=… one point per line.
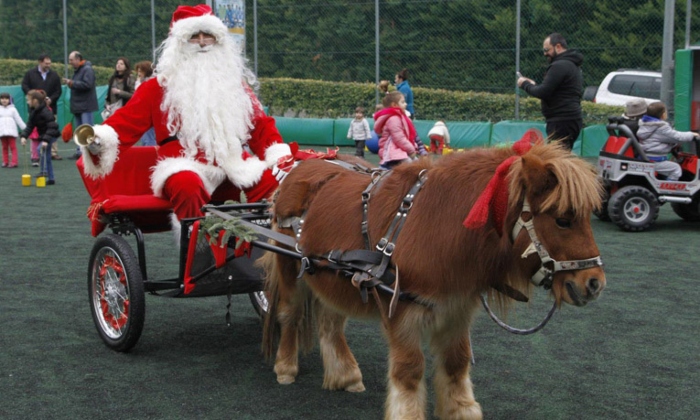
x=389, y=249
x=382, y=244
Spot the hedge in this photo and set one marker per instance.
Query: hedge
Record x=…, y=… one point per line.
x=12, y=71
x=323, y=99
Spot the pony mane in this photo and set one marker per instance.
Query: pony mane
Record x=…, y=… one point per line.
x=578, y=189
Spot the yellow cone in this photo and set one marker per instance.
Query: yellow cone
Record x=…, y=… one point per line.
x=26, y=180
x=41, y=182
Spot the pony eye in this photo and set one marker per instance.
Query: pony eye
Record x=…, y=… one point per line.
x=563, y=223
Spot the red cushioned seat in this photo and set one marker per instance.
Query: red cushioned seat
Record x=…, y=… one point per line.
x=127, y=191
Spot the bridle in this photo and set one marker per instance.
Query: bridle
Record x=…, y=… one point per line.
x=544, y=275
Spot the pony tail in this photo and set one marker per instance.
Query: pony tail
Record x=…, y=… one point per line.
x=271, y=328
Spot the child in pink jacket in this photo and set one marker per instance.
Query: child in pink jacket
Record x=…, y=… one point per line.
x=396, y=132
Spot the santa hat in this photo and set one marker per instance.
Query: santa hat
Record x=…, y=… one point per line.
x=190, y=20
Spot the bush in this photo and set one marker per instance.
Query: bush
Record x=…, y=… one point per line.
x=321, y=99
x=13, y=71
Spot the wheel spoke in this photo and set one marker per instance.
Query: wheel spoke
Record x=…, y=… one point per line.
x=111, y=294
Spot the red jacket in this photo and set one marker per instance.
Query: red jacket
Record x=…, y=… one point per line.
x=129, y=123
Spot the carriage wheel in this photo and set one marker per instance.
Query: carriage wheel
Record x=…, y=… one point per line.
x=633, y=208
x=260, y=303
x=115, y=288
x=688, y=212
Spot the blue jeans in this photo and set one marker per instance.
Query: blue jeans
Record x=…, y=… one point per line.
x=80, y=119
x=45, y=162
x=149, y=137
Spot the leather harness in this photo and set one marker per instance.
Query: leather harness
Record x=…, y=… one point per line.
x=369, y=268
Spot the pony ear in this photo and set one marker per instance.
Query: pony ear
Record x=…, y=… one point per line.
x=539, y=177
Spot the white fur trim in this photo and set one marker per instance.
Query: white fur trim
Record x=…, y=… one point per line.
x=211, y=175
x=244, y=173
x=109, y=152
x=177, y=228
x=183, y=29
x=276, y=151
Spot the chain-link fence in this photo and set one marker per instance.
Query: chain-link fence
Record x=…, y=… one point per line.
x=458, y=44
x=448, y=44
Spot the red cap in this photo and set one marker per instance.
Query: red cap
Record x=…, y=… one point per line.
x=184, y=12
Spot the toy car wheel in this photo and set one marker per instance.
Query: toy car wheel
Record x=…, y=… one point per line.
x=115, y=287
x=260, y=302
x=688, y=212
x=633, y=208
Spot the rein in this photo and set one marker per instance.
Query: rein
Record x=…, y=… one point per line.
x=513, y=330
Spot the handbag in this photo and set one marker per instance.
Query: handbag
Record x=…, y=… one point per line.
x=110, y=109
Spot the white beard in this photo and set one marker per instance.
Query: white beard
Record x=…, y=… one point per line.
x=207, y=105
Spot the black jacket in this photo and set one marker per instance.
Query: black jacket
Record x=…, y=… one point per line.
x=52, y=85
x=561, y=89
x=83, y=96
x=45, y=122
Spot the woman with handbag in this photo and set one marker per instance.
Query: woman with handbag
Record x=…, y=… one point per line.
x=121, y=87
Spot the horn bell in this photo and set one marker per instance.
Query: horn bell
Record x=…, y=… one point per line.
x=84, y=135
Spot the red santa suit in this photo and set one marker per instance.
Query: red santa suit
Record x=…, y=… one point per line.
x=188, y=182
x=217, y=151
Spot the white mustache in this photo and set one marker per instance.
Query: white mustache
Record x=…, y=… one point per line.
x=196, y=48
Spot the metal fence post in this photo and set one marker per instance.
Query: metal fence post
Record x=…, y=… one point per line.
x=153, y=30
x=255, y=37
x=667, y=57
x=688, y=9
x=517, y=58
x=65, y=41
x=376, y=51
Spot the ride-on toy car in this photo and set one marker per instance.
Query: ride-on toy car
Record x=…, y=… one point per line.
x=117, y=277
x=633, y=191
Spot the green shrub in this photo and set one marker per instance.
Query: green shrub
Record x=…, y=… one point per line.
x=12, y=71
x=321, y=99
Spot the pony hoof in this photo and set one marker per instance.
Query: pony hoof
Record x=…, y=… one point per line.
x=358, y=387
x=285, y=379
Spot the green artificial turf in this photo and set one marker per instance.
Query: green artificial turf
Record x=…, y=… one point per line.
x=633, y=354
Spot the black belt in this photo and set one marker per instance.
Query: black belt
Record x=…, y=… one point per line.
x=168, y=140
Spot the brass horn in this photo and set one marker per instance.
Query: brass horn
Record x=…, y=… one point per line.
x=84, y=135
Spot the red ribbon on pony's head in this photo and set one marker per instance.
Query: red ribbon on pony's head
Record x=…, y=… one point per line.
x=494, y=199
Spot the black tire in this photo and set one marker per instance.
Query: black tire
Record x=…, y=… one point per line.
x=589, y=93
x=688, y=212
x=602, y=212
x=633, y=208
x=116, y=294
x=260, y=303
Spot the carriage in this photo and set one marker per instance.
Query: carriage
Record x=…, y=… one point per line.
x=349, y=243
x=118, y=278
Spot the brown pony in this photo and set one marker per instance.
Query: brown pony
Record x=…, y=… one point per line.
x=444, y=265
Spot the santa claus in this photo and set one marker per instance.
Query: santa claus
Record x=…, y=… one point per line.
x=212, y=133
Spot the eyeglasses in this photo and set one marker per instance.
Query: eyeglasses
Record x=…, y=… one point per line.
x=545, y=50
x=201, y=38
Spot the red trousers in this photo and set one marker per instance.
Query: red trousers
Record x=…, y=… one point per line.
x=9, y=151
x=187, y=194
x=437, y=143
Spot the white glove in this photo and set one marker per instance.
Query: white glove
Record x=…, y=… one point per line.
x=282, y=168
x=95, y=147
